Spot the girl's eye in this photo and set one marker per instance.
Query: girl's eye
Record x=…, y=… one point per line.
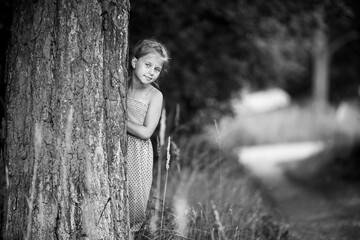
x=147, y=64
x=157, y=70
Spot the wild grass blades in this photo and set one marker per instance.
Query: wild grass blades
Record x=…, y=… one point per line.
x=177, y=115
x=168, y=156
x=211, y=195
x=218, y=222
x=176, y=154
x=218, y=138
x=180, y=206
x=182, y=210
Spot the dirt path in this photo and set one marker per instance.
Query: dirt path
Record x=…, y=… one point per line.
x=319, y=209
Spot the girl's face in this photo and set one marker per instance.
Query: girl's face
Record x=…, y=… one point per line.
x=147, y=68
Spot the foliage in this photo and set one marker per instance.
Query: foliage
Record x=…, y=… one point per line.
x=203, y=63
x=219, y=47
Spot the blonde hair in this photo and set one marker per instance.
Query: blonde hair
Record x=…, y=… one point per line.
x=148, y=46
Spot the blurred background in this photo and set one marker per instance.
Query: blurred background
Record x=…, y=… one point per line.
x=220, y=49
x=253, y=88
x=275, y=86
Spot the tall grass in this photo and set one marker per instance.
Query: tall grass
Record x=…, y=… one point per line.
x=166, y=178
x=206, y=194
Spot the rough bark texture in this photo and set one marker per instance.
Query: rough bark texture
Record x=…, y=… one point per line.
x=66, y=120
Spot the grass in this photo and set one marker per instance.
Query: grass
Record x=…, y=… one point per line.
x=208, y=198
x=209, y=195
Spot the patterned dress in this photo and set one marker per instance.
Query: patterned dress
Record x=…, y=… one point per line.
x=140, y=165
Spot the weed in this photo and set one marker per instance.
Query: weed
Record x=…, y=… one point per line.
x=197, y=205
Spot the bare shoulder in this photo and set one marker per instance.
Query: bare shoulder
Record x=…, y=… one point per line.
x=156, y=95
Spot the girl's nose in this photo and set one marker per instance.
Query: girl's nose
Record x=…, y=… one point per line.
x=151, y=71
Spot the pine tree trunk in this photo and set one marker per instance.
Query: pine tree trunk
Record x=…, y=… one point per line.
x=66, y=131
x=321, y=63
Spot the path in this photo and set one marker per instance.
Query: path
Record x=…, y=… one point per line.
x=319, y=212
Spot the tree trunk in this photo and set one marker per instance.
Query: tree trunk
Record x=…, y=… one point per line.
x=321, y=63
x=66, y=131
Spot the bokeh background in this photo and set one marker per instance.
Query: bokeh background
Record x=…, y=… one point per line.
x=219, y=48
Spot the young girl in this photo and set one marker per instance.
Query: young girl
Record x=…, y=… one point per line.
x=144, y=105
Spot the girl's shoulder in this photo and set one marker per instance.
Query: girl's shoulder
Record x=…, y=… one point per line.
x=155, y=94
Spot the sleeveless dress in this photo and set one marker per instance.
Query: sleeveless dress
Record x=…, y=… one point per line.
x=140, y=166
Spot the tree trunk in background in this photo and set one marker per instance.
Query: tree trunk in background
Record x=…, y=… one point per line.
x=66, y=131
x=321, y=63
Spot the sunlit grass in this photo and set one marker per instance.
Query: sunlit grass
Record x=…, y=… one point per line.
x=209, y=195
x=209, y=199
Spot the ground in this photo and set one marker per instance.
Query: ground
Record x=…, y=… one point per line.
x=305, y=191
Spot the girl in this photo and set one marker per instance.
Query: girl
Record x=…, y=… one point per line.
x=144, y=105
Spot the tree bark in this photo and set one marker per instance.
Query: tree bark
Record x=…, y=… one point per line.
x=66, y=132
x=321, y=63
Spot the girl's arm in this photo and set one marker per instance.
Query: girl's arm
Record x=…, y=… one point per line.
x=151, y=120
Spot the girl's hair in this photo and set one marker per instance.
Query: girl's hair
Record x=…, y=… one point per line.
x=148, y=46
